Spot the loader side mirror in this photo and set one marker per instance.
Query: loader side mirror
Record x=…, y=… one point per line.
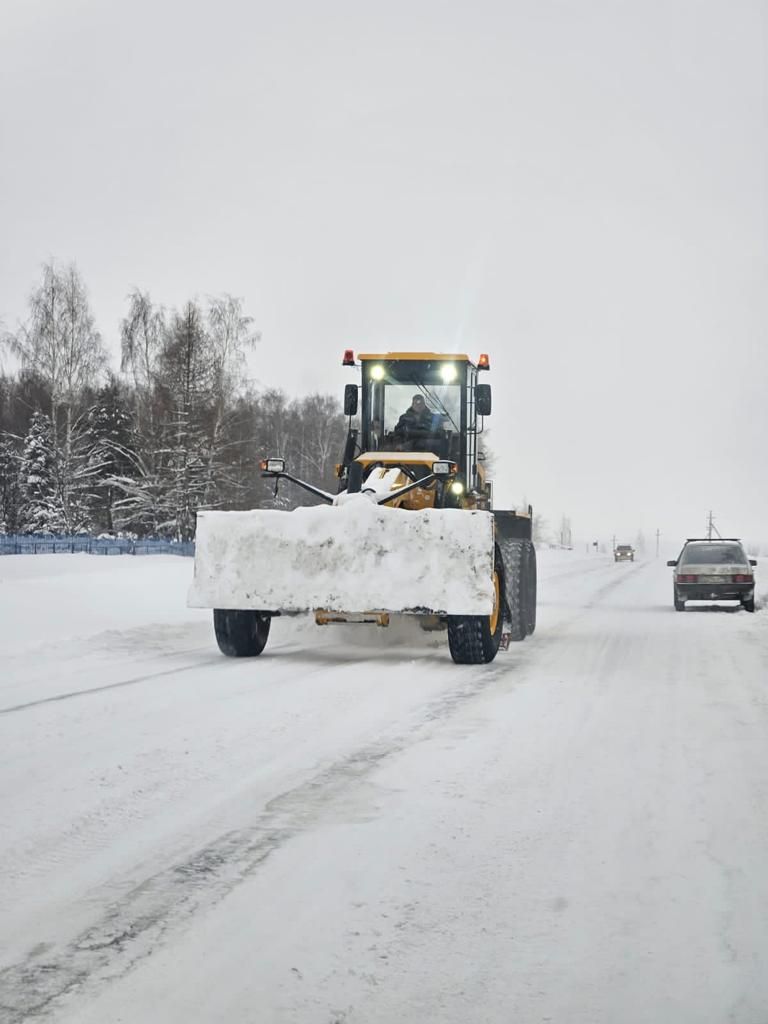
x=672, y=564
x=483, y=399
x=350, y=399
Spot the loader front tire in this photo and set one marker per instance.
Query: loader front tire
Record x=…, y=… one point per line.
x=475, y=639
x=240, y=634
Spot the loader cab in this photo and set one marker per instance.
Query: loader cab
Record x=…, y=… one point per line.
x=449, y=427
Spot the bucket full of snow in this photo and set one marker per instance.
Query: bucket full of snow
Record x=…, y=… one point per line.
x=353, y=557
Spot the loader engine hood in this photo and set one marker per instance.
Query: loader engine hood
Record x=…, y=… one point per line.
x=354, y=557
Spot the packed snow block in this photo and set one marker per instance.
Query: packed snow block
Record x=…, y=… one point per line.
x=353, y=557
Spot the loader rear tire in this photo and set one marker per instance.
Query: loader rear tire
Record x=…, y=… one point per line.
x=531, y=587
x=241, y=634
x=475, y=639
x=520, y=565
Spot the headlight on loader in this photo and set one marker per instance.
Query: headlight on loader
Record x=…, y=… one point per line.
x=457, y=487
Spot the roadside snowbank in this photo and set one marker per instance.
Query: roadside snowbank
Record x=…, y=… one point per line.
x=50, y=599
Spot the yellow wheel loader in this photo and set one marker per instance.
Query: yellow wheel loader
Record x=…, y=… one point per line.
x=411, y=531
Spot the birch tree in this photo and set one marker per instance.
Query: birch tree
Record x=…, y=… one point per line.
x=60, y=343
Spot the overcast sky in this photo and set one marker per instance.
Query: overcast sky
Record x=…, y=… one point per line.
x=578, y=188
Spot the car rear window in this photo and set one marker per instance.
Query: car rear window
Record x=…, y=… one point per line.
x=713, y=554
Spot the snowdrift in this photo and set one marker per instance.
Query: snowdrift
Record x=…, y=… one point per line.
x=354, y=557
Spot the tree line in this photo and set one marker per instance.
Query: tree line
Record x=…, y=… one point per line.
x=86, y=448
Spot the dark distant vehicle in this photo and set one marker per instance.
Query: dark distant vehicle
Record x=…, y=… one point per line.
x=714, y=570
x=624, y=553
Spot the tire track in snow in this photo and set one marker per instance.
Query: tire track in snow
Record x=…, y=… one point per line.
x=109, y=686
x=213, y=659
x=607, y=588
x=133, y=925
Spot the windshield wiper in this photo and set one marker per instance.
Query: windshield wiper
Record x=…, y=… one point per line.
x=437, y=401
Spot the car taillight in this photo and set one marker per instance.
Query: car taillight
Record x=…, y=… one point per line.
x=689, y=578
x=743, y=577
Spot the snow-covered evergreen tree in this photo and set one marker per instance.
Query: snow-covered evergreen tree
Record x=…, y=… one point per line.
x=10, y=488
x=42, y=510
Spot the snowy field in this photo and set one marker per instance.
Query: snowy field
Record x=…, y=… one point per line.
x=353, y=830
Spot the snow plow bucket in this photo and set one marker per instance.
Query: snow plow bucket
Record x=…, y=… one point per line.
x=353, y=557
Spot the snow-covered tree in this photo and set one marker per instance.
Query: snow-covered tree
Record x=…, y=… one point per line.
x=10, y=487
x=188, y=369
x=110, y=452
x=60, y=343
x=79, y=472
x=142, y=334
x=321, y=432
x=60, y=346
x=57, y=493
x=187, y=387
x=142, y=502
x=42, y=510
x=230, y=337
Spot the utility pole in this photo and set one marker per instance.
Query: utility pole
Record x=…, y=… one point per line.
x=711, y=526
x=658, y=534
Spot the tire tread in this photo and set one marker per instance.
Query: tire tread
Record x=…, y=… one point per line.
x=240, y=634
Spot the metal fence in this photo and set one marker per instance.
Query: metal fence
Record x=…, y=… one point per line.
x=44, y=544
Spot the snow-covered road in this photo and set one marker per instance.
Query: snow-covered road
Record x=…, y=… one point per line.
x=353, y=829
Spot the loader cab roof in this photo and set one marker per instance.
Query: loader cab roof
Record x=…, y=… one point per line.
x=424, y=357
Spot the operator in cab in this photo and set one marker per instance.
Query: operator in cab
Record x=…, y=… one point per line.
x=416, y=421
